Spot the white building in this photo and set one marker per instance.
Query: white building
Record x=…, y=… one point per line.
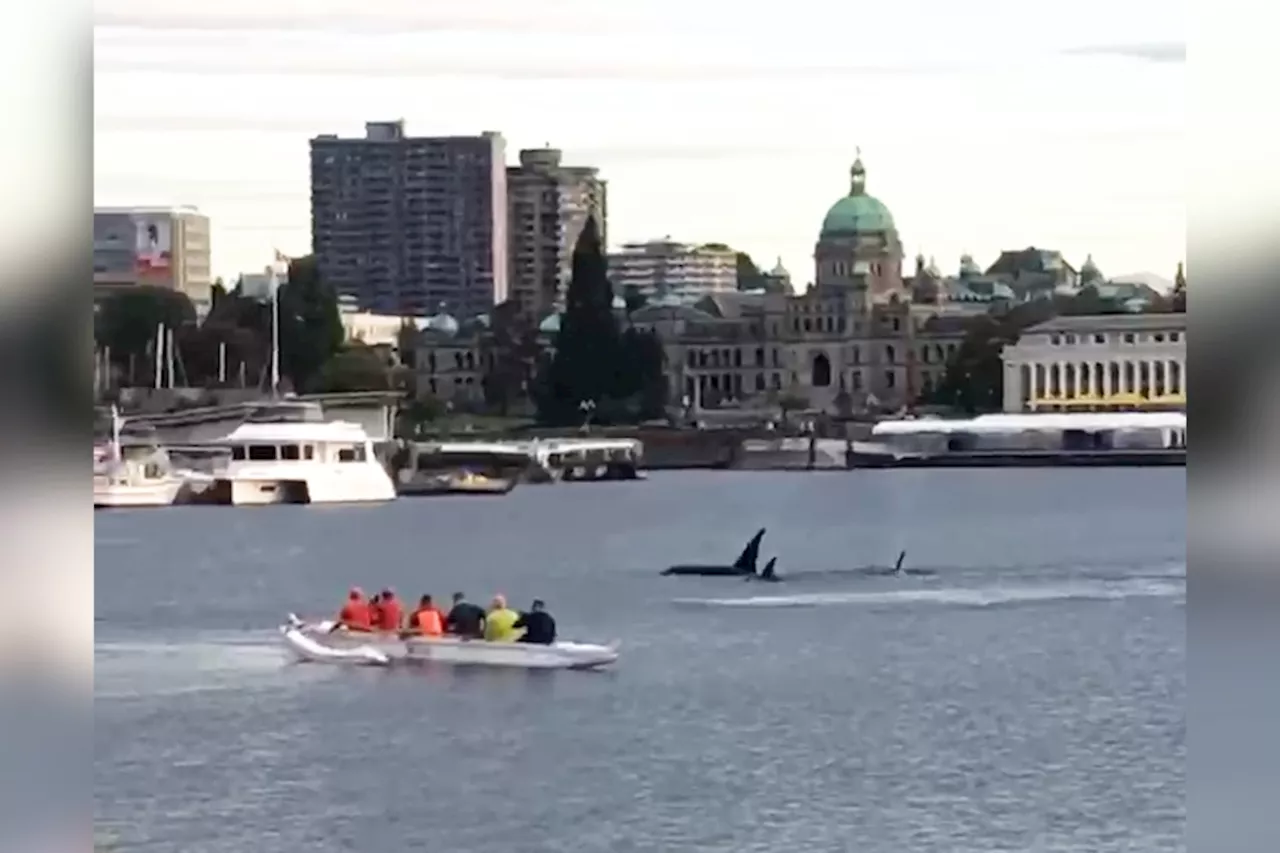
x=664, y=267
x=1128, y=361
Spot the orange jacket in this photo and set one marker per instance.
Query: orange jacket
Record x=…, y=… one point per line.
x=355, y=615
x=386, y=615
x=428, y=622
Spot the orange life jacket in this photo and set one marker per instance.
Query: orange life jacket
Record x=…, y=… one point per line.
x=427, y=622
x=356, y=615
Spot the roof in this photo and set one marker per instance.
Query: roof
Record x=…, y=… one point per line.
x=1111, y=323
x=656, y=313
x=303, y=431
x=729, y=305
x=1053, y=421
x=1030, y=259
x=857, y=214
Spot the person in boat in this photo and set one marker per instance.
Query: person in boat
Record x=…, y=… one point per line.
x=500, y=622
x=387, y=615
x=426, y=620
x=355, y=614
x=465, y=619
x=539, y=625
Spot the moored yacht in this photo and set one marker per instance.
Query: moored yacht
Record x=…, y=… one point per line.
x=133, y=471
x=290, y=454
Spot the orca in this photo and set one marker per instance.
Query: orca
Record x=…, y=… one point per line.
x=897, y=571
x=743, y=566
x=767, y=574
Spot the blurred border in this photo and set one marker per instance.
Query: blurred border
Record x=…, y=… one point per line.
x=1234, y=475
x=46, y=521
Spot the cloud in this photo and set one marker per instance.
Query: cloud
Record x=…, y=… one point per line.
x=1163, y=52
x=428, y=67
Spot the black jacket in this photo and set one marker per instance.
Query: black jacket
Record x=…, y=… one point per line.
x=539, y=627
x=465, y=620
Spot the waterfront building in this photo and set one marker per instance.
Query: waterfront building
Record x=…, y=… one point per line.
x=153, y=246
x=1134, y=362
x=548, y=203
x=661, y=268
x=860, y=338
x=411, y=225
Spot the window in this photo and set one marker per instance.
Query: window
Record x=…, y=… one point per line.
x=1071, y=339
x=289, y=451
x=351, y=454
x=1099, y=338
x=1174, y=337
x=890, y=379
x=1129, y=338
x=237, y=452
x=1055, y=339
x=262, y=452
x=1158, y=338
x=309, y=452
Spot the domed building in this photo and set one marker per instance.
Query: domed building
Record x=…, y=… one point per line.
x=858, y=247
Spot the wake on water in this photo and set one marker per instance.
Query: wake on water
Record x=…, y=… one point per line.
x=991, y=596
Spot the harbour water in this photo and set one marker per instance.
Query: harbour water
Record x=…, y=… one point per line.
x=1027, y=696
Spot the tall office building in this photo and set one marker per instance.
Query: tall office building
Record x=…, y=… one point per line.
x=155, y=246
x=411, y=225
x=548, y=203
x=668, y=268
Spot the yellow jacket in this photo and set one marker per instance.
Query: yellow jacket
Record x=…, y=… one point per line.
x=499, y=625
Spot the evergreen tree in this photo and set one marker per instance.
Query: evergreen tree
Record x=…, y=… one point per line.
x=310, y=326
x=620, y=373
x=586, y=362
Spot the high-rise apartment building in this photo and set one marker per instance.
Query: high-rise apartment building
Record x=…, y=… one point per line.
x=411, y=225
x=155, y=246
x=548, y=204
x=664, y=267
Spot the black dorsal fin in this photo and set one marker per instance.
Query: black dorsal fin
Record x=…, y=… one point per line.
x=750, y=555
x=767, y=571
x=897, y=567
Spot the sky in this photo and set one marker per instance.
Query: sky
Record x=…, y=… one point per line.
x=984, y=125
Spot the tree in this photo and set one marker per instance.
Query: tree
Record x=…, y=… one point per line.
x=356, y=368
x=513, y=357
x=129, y=319
x=310, y=326
x=749, y=275
x=593, y=360
x=634, y=299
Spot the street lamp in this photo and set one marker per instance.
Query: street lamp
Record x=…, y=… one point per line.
x=588, y=408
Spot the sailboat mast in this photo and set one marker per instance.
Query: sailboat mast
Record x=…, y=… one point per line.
x=275, y=333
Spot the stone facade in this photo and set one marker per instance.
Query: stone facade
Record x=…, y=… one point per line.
x=1130, y=361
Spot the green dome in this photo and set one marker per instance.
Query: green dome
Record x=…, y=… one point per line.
x=858, y=211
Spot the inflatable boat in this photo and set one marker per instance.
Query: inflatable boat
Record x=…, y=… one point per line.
x=317, y=642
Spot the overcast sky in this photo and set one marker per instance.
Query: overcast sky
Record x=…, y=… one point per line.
x=984, y=125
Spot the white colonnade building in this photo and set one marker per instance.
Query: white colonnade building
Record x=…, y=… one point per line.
x=1100, y=362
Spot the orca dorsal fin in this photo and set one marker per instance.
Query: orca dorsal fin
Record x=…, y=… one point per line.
x=750, y=555
x=767, y=571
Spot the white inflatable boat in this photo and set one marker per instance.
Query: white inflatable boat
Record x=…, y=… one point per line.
x=318, y=642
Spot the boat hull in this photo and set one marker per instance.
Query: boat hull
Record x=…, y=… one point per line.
x=122, y=495
x=314, y=643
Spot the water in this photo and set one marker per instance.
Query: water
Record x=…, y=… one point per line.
x=1028, y=697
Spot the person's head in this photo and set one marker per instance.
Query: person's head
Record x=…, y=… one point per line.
x=388, y=594
x=425, y=601
x=355, y=594
x=499, y=602
x=538, y=605
x=377, y=599
x=458, y=596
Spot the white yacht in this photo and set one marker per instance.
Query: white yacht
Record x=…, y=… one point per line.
x=289, y=454
x=134, y=473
